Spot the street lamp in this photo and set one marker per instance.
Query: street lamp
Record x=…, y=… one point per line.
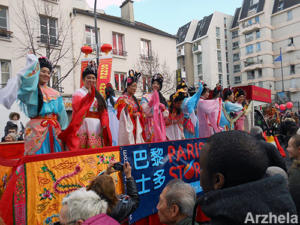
x=96, y=32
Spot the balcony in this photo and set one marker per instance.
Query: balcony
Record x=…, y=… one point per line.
x=197, y=48
x=146, y=57
x=290, y=48
x=180, y=52
x=5, y=33
x=252, y=64
x=247, y=28
x=119, y=52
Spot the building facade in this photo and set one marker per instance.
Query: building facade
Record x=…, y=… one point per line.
x=59, y=28
x=261, y=30
x=203, y=50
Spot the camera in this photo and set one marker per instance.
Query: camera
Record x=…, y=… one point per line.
x=118, y=166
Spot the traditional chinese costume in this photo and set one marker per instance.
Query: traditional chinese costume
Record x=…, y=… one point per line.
x=46, y=109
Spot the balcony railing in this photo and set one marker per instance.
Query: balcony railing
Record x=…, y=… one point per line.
x=5, y=33
x=146, y=57
x=119, y=52
x=252, y=62
x=197, y=48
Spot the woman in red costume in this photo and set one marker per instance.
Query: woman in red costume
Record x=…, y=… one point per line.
x=89, y=127
x=130, y=114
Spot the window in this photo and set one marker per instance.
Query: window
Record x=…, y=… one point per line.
x=221, y=79
x=146, y=49
x=261, y=84
x=225, y=33
x=227, y=67
x=236, y=57
x=235, y=34
x=90, y=37
x=225, y=22
x=120, y=81
x=226, y=45
x=257, y=34
x=226, y=54
x=259, y=72
x=253, y=2
x=251, y=75
x=4, y=23
x=199, y=69
x=249, y=49
x=291, y=41
x=48, y=30
x=249, y=22
x=218, y=44
x=220, y=67
x=258, y=48
x=218, y=32
x=118, y=44
x=249, y=37
x=289, y=15
x=292, y=69
x=219, y=55
x=237, y=68
x=199, y=63
x=257, y=19
x=228, y=80
x=235, y=45
x=4, y=72
x=237, y=80
x=280, y=5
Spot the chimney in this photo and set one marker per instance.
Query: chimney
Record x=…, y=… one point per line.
x=127, y=11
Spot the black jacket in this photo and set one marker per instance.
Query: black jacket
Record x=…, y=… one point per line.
x=230, y=206
x=127, y=203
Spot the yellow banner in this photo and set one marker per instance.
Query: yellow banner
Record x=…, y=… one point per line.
x=48, y=181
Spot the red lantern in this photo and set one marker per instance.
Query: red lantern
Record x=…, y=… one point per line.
x=289, y=105
x=282, y=107
x=276, y=106
x=86, y=50
x=106, y=48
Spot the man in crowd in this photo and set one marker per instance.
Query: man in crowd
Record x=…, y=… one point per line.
x=232, y=175
x=86, y=208
x=274, y=157
x=294, y=171
x=176, y=202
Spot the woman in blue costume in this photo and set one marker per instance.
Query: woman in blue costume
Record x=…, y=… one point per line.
x=43, y=105
x=229, y=107
x=191, y=123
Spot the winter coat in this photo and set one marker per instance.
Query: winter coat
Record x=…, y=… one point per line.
x=127, y=203
x=101, y=219
x=231, y=206
x=294, y=183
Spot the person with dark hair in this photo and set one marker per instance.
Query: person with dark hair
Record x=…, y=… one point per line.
x=183, y=86
x=232, y=175
x=89, y=127
x=294, y=171
x=174, y=123
x=14, y=121
x=156, y=111
x=10, y=128
x=119, y=206
x=217, y=92
x=43, y=105
x=191, y=123
x=112, y=113
x=240, y=117
x=209, y=114
x=229, y=108
x=274, y=157
x=130, y=115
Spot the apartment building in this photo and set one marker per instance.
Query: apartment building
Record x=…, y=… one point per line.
x=203, y=50
x=259, y=30
x=62, y=27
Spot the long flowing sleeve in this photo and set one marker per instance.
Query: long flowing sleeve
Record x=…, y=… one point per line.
x=232, y=107
x=62, y=114
x=191, y=103
x=28, y=91
x=146, y=108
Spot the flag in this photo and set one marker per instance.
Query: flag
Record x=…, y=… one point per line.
x=279, y=58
